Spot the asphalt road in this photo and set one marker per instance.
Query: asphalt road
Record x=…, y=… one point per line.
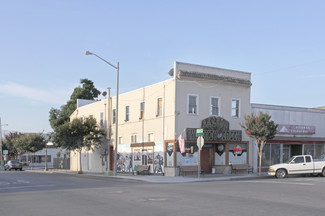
x=35, y=194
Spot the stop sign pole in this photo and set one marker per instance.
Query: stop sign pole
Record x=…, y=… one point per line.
x=199, y=143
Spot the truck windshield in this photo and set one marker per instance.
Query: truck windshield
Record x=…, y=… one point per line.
x=291, y=159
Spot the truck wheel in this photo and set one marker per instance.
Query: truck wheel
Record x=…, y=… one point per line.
x=281, y=173
x=323, y=172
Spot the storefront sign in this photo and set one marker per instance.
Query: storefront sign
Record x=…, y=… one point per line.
x=296, y=129
x=210, y=135
x=238, y=150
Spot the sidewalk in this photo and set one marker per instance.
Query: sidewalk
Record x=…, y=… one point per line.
x=163, y=179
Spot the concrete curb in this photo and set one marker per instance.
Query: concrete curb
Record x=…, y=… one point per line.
x=160, y=179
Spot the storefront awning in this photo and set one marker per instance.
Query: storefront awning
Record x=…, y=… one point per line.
x=145, y=144
x=297, y=140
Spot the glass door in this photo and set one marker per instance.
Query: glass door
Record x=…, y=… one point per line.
x=286, y=153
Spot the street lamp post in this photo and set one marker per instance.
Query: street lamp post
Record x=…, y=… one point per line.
x=116, y=122
x=1, y=142
x=47, y=144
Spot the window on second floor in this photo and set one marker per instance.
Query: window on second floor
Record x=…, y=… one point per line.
x=101, y=119
x=127, y=113
x=192, y=104
x=234, y=108
x=214, y=106
x=120, y=140
x=141, y=110
x=133, y=138
x=114, y=116
x=159, y=107
x=150, y=137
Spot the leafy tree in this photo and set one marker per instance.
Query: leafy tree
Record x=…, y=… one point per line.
x=79, y=134
x=87, y=91
x=261, y=128
x=30, y=143
x=9, y=144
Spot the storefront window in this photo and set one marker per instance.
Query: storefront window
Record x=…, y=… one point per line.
x=220, y=154
x=319, y=150
x=309, y=150
x=237, y=153
x=275, y=153
x=266, y=155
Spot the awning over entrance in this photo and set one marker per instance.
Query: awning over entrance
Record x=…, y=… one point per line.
x=145, y=144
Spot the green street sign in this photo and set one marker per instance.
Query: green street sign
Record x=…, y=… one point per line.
x=199, y=132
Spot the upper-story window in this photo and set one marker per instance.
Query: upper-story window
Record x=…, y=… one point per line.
x=141, y=110
x=133, y=138
x=127, y=113
x=150, y=137
x=159, y=107
x=192, y=104
x=114, y=116
x=214, y=106
x=101, y=119
x=235, y=108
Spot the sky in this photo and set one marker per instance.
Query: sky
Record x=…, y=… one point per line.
x=42, y=43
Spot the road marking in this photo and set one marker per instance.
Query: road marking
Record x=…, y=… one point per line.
x=281, y=182
x=21, y=187
x=4, y=183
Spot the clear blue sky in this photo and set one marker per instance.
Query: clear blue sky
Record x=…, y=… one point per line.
x=282, y=43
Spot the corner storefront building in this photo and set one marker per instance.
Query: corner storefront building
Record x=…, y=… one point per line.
x=152, y=118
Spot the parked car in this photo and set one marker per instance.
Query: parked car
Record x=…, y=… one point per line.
x=14, y=164
x=300, y=164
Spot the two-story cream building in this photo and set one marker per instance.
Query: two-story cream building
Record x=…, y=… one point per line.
x=152, y=118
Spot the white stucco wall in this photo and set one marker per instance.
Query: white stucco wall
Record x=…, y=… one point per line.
x=204, y=90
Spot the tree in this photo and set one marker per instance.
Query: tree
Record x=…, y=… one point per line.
x=30, y=143
x=9, y=144
x=79, y=134
x=261, y=128
x=87, y=91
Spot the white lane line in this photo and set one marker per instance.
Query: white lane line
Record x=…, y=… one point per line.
x=279, y=182
x=32, y=186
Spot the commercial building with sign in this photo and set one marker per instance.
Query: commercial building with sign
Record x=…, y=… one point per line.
x=300, y=131
x=158, y=123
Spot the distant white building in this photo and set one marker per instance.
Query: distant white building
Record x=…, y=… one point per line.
x=38, y=158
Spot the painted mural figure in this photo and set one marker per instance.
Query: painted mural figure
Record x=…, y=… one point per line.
x=159, y=161
x=124, y=163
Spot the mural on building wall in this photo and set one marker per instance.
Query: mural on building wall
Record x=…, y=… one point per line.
x=170, y=154
x=158, y=164
x=124, y=162
x=129, y=157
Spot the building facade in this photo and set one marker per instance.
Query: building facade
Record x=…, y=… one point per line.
x=300, y=131
x=152, y=118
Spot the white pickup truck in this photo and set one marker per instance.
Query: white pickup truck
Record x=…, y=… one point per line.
x=299, y=164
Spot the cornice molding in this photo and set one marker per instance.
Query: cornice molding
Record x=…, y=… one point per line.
x=204, y=76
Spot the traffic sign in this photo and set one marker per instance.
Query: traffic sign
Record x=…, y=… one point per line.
x=199, y=132
x=200, y=142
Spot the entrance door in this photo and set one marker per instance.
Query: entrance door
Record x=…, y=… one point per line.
x=206, y=160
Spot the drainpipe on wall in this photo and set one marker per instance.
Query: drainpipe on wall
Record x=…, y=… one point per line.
x=108, y=129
